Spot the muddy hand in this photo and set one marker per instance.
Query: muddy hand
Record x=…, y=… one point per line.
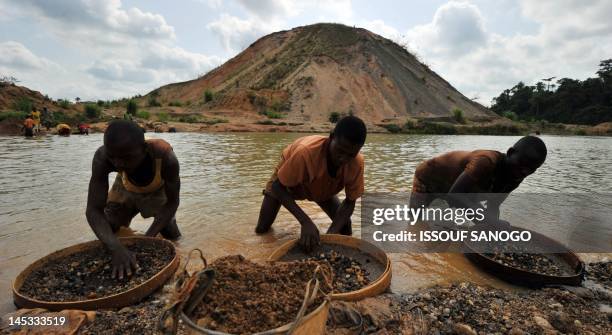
x=124, y=263
x=309, y=237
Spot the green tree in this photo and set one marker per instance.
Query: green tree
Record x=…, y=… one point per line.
x=334, y=117
x=23, y=105
x=605, y=69
x=568, y=100
x=458, y=115
x=92, y=111
x=208, y=95
x=132, y=107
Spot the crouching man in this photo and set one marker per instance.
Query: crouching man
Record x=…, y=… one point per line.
x=147, y=182
x=478, y=172
x=317, y=168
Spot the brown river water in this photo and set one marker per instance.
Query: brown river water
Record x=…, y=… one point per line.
x=43, y=191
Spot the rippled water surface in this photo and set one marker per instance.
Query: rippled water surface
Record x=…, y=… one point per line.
x=43, y=191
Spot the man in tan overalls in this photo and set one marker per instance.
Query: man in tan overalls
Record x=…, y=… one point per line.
x=147, y=182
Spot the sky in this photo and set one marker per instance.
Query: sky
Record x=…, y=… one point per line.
x=107, y=49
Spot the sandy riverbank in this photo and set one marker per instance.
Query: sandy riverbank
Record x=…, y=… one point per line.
x=13, y=127
x=461, y=308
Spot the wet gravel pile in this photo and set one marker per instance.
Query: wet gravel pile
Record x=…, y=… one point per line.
x=349, y=274
x=138, y=319
x=247, y=297
x=601, y=273
x=470, y=309
x=537, y=263
x=487, y=310
x=88, y=274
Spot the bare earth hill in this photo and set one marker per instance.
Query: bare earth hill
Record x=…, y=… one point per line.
x=307, y=73
x=10, y=94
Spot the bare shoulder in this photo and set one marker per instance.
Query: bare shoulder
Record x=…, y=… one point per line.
x=170, y=165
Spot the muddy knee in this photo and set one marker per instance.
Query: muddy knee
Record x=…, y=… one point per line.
x=171, y=231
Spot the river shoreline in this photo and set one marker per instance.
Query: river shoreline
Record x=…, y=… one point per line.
x=13, y=128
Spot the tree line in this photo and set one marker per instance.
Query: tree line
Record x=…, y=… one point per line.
x=568, y=100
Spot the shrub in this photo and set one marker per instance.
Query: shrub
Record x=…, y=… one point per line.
x=334, y=117
x=580, y=132
x=208, y=96
x=272, y=114
x=101, y=103
x=392, y=128
x=64, y=103
x=132, y=107
x=278, y=105
x=438, y=128
x=409, y=125
x=189, y=119
x=152, y=102
x=73, y=118
x=175, y=103
x=510, y=115
x=23, y=105
x=12, y=115
x=92, y=111
x=494, y=129
x=163, y=116
x=143, y=115
x=458, y=115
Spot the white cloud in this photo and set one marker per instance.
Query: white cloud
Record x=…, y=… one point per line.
x=283, y=9
x=121, y=70
x=570, y=19
x=381, y=28
x=124, y=51
x=266, y=9
x=16, y=56
x=457, y=28
x=268, y=16
x=235, y=34
x=103, y=20
x=571, y=40
x=174, y=58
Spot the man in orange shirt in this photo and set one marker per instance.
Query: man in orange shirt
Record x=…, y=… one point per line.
x=479, y=171
x=317, y=168
x=28, y=126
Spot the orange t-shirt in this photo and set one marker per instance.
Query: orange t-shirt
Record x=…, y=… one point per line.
x=303, y=169
x=438, y=174
x=28, y=123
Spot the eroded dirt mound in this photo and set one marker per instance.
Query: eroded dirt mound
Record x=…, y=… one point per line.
x=308, y=73
x=11, y=95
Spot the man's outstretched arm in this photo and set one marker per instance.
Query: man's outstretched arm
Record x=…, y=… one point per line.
x=309, y=236
x=123, y=261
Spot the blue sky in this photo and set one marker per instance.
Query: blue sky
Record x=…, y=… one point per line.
x=99, y=49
